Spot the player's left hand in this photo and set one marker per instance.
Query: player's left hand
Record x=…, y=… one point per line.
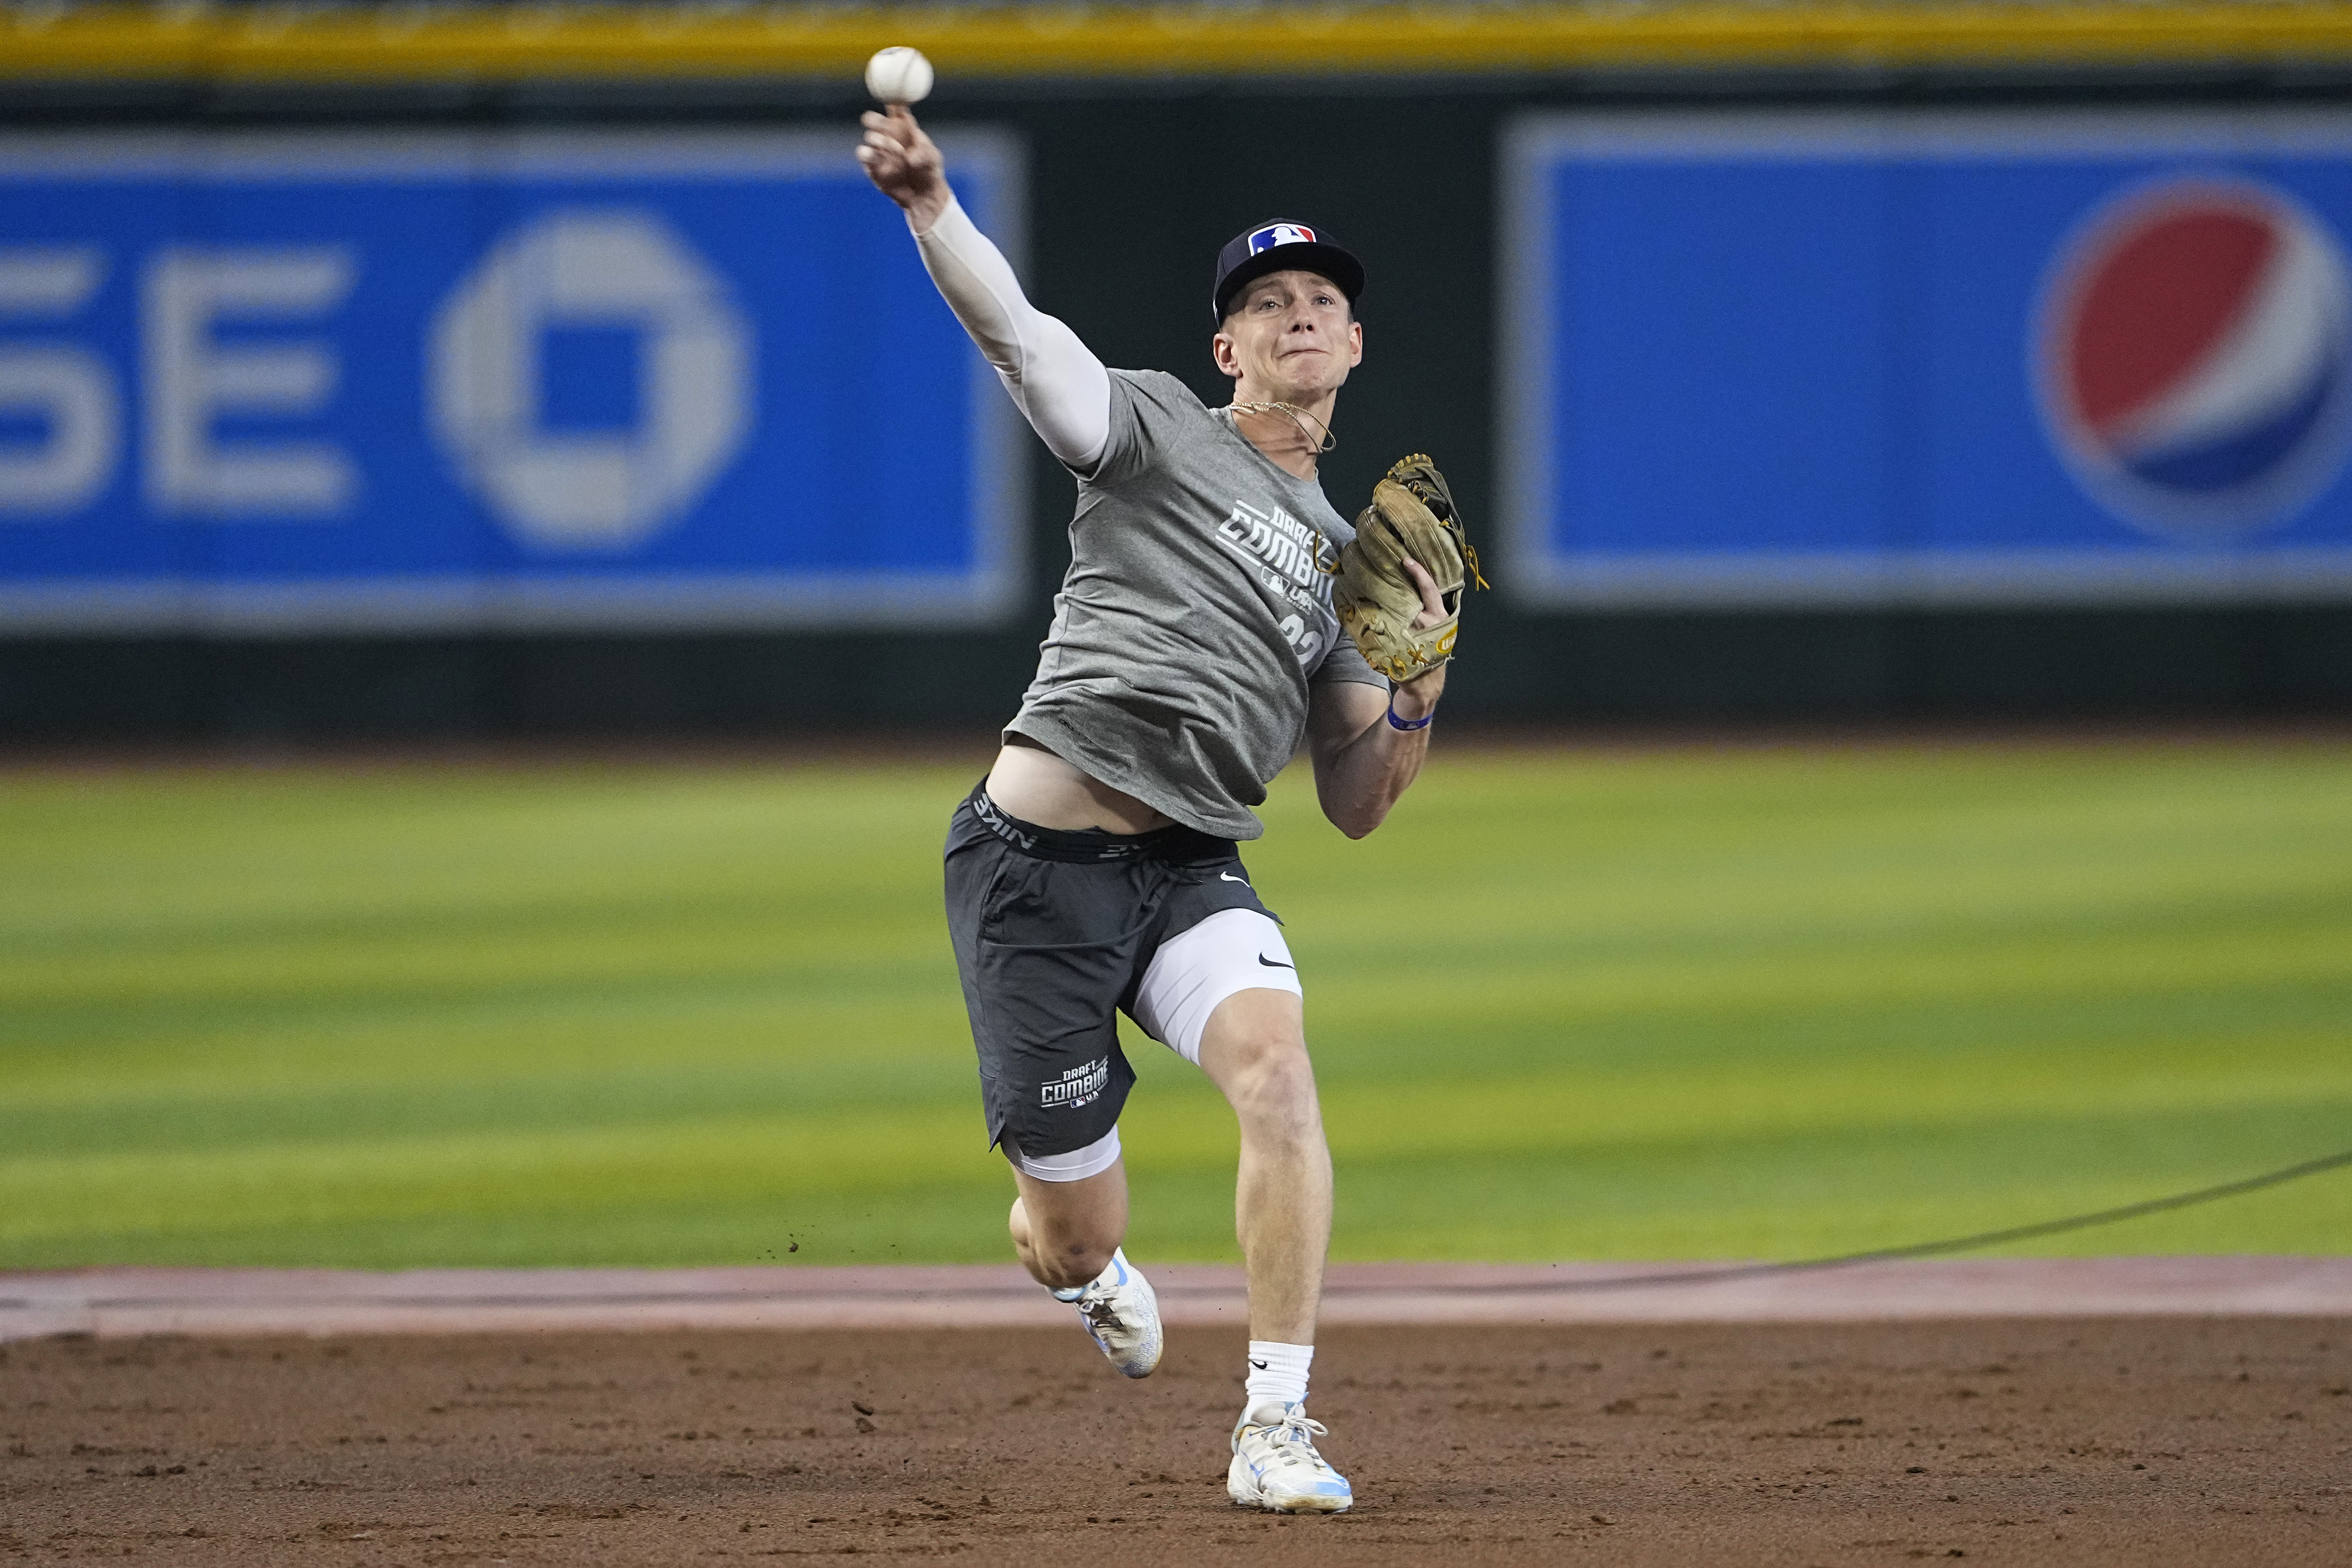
x=1417, y=698
x=1401, y=578
x=1432, y=603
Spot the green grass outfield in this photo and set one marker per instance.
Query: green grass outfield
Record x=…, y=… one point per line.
x=1681, y=1002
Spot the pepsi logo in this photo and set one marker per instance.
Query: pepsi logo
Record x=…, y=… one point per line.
x=1276, y=234
x=2190, y=357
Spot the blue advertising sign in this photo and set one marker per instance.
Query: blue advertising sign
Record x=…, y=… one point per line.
x=1838, y=358
x=360, y=383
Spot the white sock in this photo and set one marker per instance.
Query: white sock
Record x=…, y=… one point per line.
x=1115, y=1267
x=1277, y=1373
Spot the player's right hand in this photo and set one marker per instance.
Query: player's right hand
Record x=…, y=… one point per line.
x=905, y=164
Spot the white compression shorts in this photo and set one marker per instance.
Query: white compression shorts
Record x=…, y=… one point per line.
x=1233, y=950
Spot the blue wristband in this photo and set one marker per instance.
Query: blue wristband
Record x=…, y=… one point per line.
x=1409, y=725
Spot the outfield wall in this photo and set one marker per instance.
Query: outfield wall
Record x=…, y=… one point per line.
x=1787, y=530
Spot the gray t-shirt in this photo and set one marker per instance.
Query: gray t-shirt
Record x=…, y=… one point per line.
x=1196, y=612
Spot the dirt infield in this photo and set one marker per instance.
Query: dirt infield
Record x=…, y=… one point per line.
x=2134, y=1441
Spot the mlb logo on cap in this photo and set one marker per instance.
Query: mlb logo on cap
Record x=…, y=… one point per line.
x=1275, y=234
x=1279, y=248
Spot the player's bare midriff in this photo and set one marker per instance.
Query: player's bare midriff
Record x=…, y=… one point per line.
x=1035, y=786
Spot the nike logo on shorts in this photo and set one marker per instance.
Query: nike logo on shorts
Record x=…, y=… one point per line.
x=1274, y=963
x=1229, y=876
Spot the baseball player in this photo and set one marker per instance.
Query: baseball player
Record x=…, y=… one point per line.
x=1194, y=645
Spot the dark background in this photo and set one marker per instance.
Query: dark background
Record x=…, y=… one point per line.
x=1132, y=188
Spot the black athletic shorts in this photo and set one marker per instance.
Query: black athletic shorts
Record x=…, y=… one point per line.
x=1053, y=933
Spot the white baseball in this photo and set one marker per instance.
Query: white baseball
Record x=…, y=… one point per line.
x=899, y=75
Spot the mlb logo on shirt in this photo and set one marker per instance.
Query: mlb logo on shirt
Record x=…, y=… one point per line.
x=1275, y=234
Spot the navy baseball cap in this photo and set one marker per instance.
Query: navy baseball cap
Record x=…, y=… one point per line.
x=1281, y=247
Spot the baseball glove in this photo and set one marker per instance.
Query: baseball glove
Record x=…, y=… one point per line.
x=1412, y=514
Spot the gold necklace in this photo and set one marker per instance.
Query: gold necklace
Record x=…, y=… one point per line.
x=1298, y=417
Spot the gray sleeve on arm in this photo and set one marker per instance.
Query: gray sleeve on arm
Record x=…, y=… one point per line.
x=1058, y=384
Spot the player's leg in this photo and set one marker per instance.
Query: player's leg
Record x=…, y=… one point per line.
x=1046, y=938
x=1223, y=994
x=1066, y=1226
x=1254, y=1051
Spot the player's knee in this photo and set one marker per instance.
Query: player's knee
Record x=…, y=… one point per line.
x=1068, y=1248
x=1276, y=1093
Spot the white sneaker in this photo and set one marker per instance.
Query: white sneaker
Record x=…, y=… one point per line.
x=1123, y=1315
x=1276, y=1467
